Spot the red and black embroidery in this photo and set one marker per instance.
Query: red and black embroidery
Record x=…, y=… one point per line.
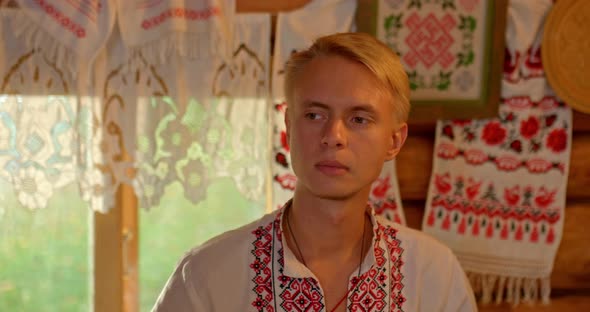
x=301, y=294
x=370, y=294
x=262, y=265
x=523, y=65
x=506, y=162
x=528, y=134
x=294, y=294
x=384, y=277
x=472, y=207
x=379, y=289
x=383, y=198
x=395, y=266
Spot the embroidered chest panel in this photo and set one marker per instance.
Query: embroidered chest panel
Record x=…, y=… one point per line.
x=378, y=289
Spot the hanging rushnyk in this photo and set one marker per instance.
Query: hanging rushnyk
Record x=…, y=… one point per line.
x=498, y=187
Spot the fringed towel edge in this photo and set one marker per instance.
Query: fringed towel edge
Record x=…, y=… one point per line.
x=511, y=289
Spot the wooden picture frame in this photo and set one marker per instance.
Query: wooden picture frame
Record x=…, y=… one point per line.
x=430, y=106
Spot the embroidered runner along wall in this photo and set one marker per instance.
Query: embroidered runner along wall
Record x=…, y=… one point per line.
x=297, y=30
x=497, y=190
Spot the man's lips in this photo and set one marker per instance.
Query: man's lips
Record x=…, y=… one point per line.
x=331, y=167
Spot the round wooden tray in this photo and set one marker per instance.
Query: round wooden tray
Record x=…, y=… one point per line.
x=566, y=52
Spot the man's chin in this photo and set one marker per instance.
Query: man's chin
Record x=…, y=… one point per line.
x=336, y=194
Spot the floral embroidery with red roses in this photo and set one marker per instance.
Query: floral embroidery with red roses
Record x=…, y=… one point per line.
x=515, y=132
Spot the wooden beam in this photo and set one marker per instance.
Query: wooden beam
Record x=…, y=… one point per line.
x=108, y=270
x=116, y=255
x=564, y=303
x=130, y=252
x=581, y=122
x=269, y=6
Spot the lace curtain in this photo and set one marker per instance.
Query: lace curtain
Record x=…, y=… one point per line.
x=126, y=120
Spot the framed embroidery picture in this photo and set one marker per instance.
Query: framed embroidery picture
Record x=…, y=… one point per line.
x=452, y=50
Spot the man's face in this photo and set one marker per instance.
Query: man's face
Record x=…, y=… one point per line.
x=341, y=128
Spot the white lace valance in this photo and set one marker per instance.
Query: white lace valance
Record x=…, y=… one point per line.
x=131, y=121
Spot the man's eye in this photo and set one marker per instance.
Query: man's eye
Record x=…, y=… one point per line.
x=359, y=120
x=312, y=116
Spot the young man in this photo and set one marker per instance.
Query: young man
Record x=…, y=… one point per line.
x=325, y=250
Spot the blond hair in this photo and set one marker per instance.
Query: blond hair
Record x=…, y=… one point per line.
x=365, y=49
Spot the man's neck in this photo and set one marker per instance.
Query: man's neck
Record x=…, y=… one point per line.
x=329, y=228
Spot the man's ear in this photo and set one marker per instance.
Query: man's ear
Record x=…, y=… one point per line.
x=398, y=137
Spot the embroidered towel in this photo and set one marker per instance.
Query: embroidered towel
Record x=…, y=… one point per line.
x=70, y=32
x=160, y=29
x=498, y=187
x=297, y=30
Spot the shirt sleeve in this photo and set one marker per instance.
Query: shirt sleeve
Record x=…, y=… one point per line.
x=179, y=294
x=460, y=297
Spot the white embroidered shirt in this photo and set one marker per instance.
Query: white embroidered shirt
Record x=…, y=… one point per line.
x=252, y=269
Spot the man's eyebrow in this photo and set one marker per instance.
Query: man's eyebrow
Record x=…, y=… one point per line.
x=309, y=104
x=362, y=107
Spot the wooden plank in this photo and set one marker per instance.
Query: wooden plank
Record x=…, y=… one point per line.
x=130, y=252
x=567, y=303
x=115, y=255
x=572, y=264
x=268, y=6
x=571, y=269
x=414, y=167
x=107, y=267
x=581, y=122
x=578, y=183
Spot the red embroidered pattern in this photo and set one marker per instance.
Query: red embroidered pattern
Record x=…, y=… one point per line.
x=371, y=294
x=429, y=40
x=383, y=200
x=286, y=181
x=522, y=65
x=303, y=294
x=184, y=13
x=522, y=134
x=62, y=20
x=262, y=265
x=296, y=294
x=284, y=176
x=468, y=208
x=474, y=156
x=395, y=263
x=524, y=102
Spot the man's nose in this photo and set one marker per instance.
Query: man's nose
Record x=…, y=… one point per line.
x=334, y=134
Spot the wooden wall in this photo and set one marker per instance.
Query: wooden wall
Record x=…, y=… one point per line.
x=571, y=273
